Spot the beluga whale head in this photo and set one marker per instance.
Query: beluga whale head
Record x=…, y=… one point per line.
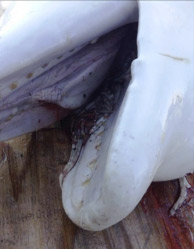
x=132, y=118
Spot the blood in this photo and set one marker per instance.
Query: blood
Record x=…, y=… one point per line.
x=56, y=110
x=176, y=231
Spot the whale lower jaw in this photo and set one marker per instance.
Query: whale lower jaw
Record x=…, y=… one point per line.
x=150, y=134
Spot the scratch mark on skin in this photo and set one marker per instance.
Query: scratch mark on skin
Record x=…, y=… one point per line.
x=175, y=58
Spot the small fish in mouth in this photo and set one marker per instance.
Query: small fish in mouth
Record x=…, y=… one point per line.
x=127, y=135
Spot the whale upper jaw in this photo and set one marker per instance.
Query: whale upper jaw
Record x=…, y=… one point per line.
x=52, y=59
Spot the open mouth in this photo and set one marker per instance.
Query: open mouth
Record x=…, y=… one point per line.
x=135, y=128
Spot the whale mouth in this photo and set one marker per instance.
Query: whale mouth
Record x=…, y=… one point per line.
x=65, y=85
x=52, y=59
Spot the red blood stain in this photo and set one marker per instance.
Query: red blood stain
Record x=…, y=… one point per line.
x=56, y=110
x=177, y=231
